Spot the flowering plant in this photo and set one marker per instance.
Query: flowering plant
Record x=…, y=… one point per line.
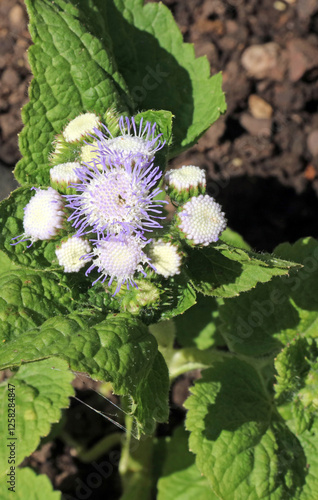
x=101, y=275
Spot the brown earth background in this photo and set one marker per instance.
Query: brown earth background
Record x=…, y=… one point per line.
x=261, y=157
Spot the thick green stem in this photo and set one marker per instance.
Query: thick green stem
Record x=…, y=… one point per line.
x=100, y=448
x=135, y=465
x=191, y=358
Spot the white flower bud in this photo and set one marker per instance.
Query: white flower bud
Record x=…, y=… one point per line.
x=185, y=182
x=70, y=252
x=58, y=147
x=185, y=177
x=64, y=173
x=81, y=125
x=165, y=258
x=89, y=152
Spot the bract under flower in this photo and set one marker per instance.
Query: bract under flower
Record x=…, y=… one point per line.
x=120, y=198
x=185, y=182
x=119, y=258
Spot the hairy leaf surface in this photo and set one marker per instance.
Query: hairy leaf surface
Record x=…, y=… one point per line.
x=119, y=350
x=262, y=321
x=41, y=390
x=180, y=474
x=242, y=446
x=161, y=71
x=74, y=72
x=224, y=271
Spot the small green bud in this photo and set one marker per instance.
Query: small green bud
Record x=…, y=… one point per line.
x=134, y=299
x=64, y=152
x=111, y=120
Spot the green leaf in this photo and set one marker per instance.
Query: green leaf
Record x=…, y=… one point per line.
x=242, y=446
x=178, y=297
x=180, y=475
x=163, y=120
x=152, y=396
x=234, y=239
x=6, y=264
x=41, y=390
x=263, y=320
x=196, y=327
x=225, y=271
x=297, y=382
x=119, y=350
x=74, y=71
x=28, y=298
x=30, y=486
x=309, y=442
x=161, y=71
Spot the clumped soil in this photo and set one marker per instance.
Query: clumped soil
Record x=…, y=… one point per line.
x=261, y=157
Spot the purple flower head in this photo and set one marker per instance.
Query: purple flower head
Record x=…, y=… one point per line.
x=118, y=198
x=142, y=142
x=118, y=258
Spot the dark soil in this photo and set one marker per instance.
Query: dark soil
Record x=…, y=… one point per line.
x=261, y=157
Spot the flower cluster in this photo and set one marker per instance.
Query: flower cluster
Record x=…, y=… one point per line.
x=104, y=196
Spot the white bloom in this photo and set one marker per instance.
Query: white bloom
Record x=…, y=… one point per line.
x=119, y=258
x=165, y=258
x=70, y=252
x=186, y=177
x=202, y=220
x=81, y=125
x=43, y=215
x=65, y=173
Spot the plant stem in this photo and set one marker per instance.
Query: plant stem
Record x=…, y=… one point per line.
x=100, y=448
x=135, y=465
x=191, y=358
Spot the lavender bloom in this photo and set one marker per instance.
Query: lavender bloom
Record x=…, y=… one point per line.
x=118, y=198
x=119, y=258
x=143, y=143
x=113, y=191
